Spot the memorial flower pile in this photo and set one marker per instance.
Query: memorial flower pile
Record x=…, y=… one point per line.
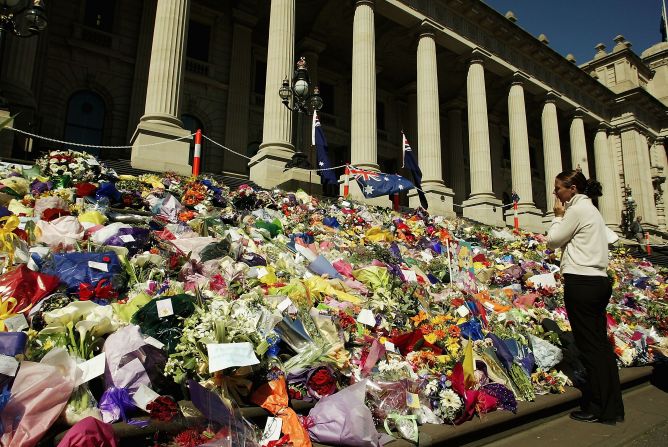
x=163, y=299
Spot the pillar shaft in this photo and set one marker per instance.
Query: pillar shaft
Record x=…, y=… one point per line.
x=167, y=61
x=551, y=151
x=277, y=129
x=663, y=164
x=17, y=69
x=429, y=127
x=479, y=148
x=238, y=99
x=579, y=145
x=456, y=147
x=520, y=161
x=609, y=203
x=363, y=126
x=637, y=174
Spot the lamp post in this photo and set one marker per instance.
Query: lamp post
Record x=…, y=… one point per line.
x=297, y=97
x=629, y=211
x=22, y=18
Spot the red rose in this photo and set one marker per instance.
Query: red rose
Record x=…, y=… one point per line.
x=85, y=189
x=321, y=383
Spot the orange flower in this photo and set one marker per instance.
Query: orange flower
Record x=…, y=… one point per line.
x=454, y=331
x=419, y=318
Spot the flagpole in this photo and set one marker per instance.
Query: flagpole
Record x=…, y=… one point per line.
x=665, y=19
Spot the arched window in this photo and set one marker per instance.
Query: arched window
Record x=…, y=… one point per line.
x=192, y=123
x=85, y=120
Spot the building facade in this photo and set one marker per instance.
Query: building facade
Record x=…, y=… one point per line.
x=489, y=108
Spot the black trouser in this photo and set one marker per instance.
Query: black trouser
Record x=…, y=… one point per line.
x=586, y=298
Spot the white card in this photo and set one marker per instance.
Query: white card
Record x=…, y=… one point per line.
x=16, y=323
x=98, y=266
x=127, y=238
x=225, y=355
x=92, y=368
x=389, y=346
x=144, y=396
x=366, y=317
x=544, y=280
x=462, y=311
x=284, y=304
x=8, y=365
x=272, y=430
x=305, y=252
x=154, y=342
x=262, y=271
x=409, y=275
x=345, y=203
x=92, y=162
x=165, y=308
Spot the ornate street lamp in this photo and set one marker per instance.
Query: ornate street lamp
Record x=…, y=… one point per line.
x=629, y=211
x=22, y=18
x=298, y=98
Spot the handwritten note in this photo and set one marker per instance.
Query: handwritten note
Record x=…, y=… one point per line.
x=226, y=355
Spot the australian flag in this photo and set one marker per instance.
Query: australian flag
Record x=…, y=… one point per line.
x=376, y=184
x=411, y=164
x=327, y=176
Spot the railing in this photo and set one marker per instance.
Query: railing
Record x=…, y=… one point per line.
x=197, y=67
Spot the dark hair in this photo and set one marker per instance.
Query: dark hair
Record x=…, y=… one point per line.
x=590, y=187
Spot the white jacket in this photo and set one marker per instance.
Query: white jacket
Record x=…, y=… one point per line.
x=581, y=234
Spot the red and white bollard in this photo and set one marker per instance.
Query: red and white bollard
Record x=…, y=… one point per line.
x=346, y=185
x=198, y=152
x=648, y=248
x=516, y=220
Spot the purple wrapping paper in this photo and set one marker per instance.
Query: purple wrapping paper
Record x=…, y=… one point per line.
x=343, y=419
x=12, y=343
x=132, y=374
x=116, y=404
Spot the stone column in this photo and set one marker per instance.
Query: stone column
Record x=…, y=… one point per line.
x=429, y=127
x=161, y=122
x=637, y=174
x=18, y=64
x=481, y=205
x=551, y=151
x=645, y=146
x=610, y=203
x=238, y=96
x=662, y=161
x=456, y=147
x=530, y=217
x=578, y=143
x=363, y=126
x=266, y=167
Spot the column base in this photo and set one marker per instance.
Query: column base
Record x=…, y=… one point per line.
x=440, y=199
x=266, y=167
x=530, y=218
x=6, y=137
x=484, y=208
x=355, y=193
x=295, y=178
x=169, y=156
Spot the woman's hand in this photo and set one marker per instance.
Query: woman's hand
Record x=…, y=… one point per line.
x=558, y=208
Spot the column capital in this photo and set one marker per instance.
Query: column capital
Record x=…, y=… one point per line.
x=479, y=56
x=604, y=127
x=578, y=112
x=244, y=18
x=428, y=28
x=519, y=78
x=370, y=3
x=551, y=96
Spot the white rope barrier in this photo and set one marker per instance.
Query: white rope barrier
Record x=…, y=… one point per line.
x=96, y=146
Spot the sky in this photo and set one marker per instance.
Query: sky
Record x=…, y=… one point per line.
x=576, y=27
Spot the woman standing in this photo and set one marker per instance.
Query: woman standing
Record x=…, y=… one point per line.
x=579, y=230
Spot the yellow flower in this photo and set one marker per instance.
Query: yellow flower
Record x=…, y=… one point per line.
x=431, y=338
